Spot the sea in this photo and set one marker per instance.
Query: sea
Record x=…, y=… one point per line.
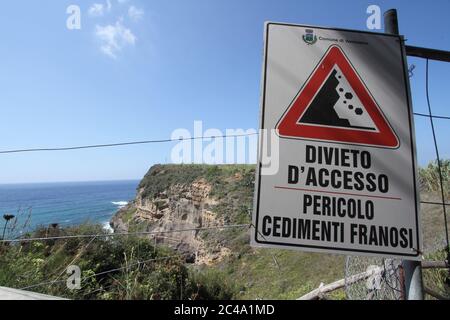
x=65, y=204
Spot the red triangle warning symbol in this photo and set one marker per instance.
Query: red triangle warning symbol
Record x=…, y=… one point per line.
x=335, y=105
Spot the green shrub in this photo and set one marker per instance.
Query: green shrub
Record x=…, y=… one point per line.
x=139, y=269
x=429, y=177
x=211, y=284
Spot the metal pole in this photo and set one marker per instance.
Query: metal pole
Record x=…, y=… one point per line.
x=427, y=53
x=391, y=22
x=413, y=280
x=412, y=269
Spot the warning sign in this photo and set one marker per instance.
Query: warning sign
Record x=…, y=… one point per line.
x=335, y=105
x=336, y=160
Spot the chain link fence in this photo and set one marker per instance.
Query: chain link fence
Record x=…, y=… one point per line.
x=384, y=281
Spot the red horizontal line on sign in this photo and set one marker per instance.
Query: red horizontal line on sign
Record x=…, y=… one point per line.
x=340, y=193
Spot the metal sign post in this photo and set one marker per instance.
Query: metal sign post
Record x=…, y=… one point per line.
x=412, y=269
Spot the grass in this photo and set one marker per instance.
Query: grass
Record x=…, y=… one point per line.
x=248, y=273
x=435, y=279
x=253, y=273
x=164, y=275
x=128, y=215
x=284, y=274
x=433, y=223
x=429, y=177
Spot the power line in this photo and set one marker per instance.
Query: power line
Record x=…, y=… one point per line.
x=130, y=143
x=119, y=144
x=431, y=116
x=430, y=113
x=106, y=235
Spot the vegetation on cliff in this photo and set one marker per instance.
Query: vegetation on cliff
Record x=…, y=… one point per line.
x=146, y=271
x=112, y=268
x=429, y=177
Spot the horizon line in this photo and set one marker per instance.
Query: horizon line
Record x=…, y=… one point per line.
x=66, y=181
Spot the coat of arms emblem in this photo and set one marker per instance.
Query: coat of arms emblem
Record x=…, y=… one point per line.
x=309, y=36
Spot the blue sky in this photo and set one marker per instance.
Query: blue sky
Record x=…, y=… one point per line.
x=139, y=69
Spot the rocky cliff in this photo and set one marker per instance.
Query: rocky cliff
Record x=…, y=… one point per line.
x=188, y=197
x=174, y=197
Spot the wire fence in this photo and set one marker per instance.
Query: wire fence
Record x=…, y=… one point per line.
x=118, y=234
x=387, y=282
x=83, y=279
x=438, y=158
x=384, y=283
x=91, y=237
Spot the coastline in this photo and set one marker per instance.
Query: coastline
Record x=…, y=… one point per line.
x=65, y=204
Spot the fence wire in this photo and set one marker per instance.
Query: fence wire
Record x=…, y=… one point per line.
x=384, y=283
x=388, y=282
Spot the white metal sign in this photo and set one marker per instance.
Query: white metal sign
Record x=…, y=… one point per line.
x=336, y=160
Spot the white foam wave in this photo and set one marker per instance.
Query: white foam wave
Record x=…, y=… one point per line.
x=107, y=227
x=120, y=204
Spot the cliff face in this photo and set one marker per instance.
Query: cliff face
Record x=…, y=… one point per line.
x=190, y=197
x=173, y=197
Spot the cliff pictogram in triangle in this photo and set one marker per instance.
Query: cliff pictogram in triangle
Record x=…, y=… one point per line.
x=334, y=105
